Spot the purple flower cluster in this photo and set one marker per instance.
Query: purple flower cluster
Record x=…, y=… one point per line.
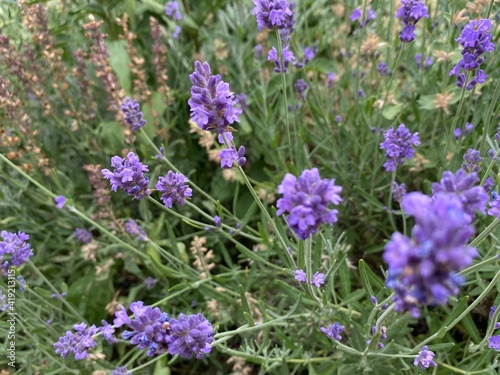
x=458, y=132
x=286, y=55
x=423, y=269
x=465, y=186
x=14, y=250
x=60, y=201
x=82, y=235
x=273, y=14
x=301, y=87
x=397, y=146
x=212, y=104
x=135, y=230
x=122, y=370
x=317, y=280
x=133, y=114
x=494, y=204
x=383, y=336
x=427, y=64
x=476, y=39
x=306, y=201
x=382, y=68
x=174, y=189
x=425, y=358
x=494, y=342
x=190, y=334
x=358, y=16
x=229, y=156
x=398, y=191
x=472, y=161
x=128, y=175
x=172, y=10
x=77, y=343
x=410, y=13
x=334, y=331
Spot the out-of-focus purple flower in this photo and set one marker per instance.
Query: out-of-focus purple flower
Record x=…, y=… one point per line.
x=398, y=146
x=497, y=134
x=288, y=57
x=373, y=300
x=300, y=276
x=309, y=53
x=382, y=68
x=217, y=221
x=492, y=154
x=60, y=201
x=475, y=39
x=338, y=118
x=174, y=189
x=424, y=269
x=190, y=334
x=410, y=12
x=462, y=184
x=135, y=230
x=172, y=10
x=331, y=79
x=383, y=335
x=306, y=201
x=361, y=94
x=82, y=235
x=334, y=331
x=492, y=311
x=357, y=15
x=212, y=104
x=488, y=184
x=228, y=156
x=301, y=87
x=108, y=331
x=428, y=61
x=398, y=191
x=318, y=279
x=4, y=306
x=149, y=328
x=77, y=343
x=122, y=370
x=133, y=114
x=424, y=358
x=150, y=283
x=494, y=342
x=14, y=249
x=258, y=52
x=494, y=204
x=242, y=101
x=177, y=31
x=472, y=161
x=161, y=154
x=22, y=284
x=457, y=132
x=128, y=175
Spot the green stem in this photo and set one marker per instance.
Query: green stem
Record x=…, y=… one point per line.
x=485, y=233
x=477, y=266
x=389, y=202
x=489, y=116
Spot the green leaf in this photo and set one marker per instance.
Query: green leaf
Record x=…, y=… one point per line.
x=119, y=61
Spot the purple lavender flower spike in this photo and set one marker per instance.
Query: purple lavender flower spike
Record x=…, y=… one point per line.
x=60, y=201
x=301, y=87
x=494, y=342
x=463, y=185
x=425, y=358
x=128, y=175
x=358, y=16
x=122, y=370
x=398, y=146
x=77, y=343
x=306, y=201
x=472, y=161
x=83, y=235
x=300, y=276
x=494, y=204
x=108, y=332
x=334, y=331
x=288, y=57
x=135, y=230
x=212, y=104
x=272, y=14
x=191, y=334
x=133, y=114
x=229, y=156
x=318, y=279
x=172, y=10
x=398, y=191
x=424, y=269
x=475, y=39
x=174, y=189
x=149, y=283
x=16, y=247
x=410, y=12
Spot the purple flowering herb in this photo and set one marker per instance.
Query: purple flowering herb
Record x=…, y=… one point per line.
x=217, y=221
x=60, y=201
x=14, y=249
x=161, y=154
x=475, y=40
x=318, y=279
x=172, y=10
x=309, y=53
x=428, y=61
x=330, y=79
x=424, y=358
x=383, y=336
x=382, y=68
x=149, y=327
x=423, y=269
x=457, y=133
x=334, y=331
x=122, y=370
x=494, y=204
x=398, y=191
x=398, y=146
x=83, y=235
x=463, y=185
x=357, y=15
x=410, y=12
x=242, y=101
x=77, y=343
x=135, y=230
x=492, y=312
x=300, y=276
x=177, y=31
x=301, y=87
x=492, y=154
x=133, y=114
x=258, y=52
x=273, y=14
x=373, y=300
x=22, y=283
x=150, y=283
x=287, y=55
x=190, y=334
x=497, y=134
x=306, y=201
x=472, y=161
x=174, y=189
x=488, y=185
x=108, y=331
x=4, y=306
x=494, y=342
x=212, y=104
x=229, y=156
x=338, y=118
x=128, y=175
x=468, y=128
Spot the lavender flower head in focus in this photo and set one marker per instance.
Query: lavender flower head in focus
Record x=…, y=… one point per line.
x=229, y=156
x=425, y=358
x=306, y=201
x=423, y=269
x=410, y=12
x=272, y=14
x=334, y=331
x=190, y=334
x=14, y=250
x=128, y=175
x=174, y=189
x=398, y=146
x=472, y=161
x=133, y=114
x=77, y=343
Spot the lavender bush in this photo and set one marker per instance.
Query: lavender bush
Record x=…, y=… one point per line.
x=249, y=187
